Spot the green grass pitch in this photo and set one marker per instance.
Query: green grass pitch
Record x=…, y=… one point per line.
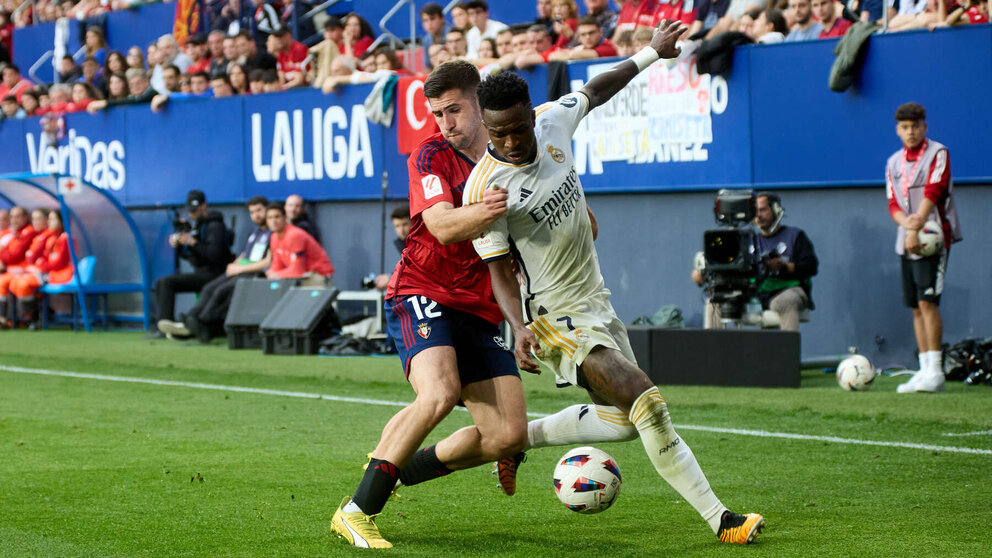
x=91, y=467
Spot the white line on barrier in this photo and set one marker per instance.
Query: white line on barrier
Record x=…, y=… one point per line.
x=307, y=395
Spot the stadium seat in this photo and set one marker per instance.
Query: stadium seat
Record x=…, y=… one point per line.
x=82, y=282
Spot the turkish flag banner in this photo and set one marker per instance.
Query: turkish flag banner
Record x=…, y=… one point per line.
x=415, y=121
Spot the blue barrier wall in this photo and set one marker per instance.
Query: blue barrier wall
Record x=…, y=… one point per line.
x=772, y=123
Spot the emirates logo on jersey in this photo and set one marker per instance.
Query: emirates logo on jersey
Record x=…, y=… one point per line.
x=557, y=154
x=424, y=330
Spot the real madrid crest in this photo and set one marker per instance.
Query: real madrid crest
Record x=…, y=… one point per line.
x=424, y=330
x=557, y=154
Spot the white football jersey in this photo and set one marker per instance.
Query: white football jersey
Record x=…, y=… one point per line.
x=546, y=226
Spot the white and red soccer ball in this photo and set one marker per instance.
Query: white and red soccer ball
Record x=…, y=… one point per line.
x=587, y=480
x=855, y=373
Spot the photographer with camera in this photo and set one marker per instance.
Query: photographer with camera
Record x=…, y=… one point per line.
x=780, y=276
x=202, y=240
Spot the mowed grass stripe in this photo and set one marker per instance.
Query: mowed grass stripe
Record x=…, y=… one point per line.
x=368, y=401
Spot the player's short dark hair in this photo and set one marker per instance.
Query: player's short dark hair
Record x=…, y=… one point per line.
x=270, y=76
x=589, y=20
x=256, y=74
x=400, y=212
x=258, y=200
x=278, y=206
x=432, y=9
x=222, y=76
x=911, y=111
x=454, y=74
x=174, y=68
x=477, y=4
x=537, y=28
x=200, y=74
x=502, y=91
x=777, y=19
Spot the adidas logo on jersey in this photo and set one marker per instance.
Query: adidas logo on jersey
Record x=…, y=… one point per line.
x=524, y=194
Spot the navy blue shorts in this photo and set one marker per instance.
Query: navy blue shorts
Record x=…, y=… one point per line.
x=415, y=323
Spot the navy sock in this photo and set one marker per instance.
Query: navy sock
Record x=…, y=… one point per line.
x=376, y=486
x=423, y=467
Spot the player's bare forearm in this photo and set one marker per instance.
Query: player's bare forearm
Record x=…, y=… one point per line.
x=450, y=224
x=607, y=84
x=507, y=292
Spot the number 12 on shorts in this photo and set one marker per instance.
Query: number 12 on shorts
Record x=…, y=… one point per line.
x=429, y=307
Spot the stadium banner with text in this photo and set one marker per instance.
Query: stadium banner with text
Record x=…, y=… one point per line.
x=682, y=129
x=321, y=147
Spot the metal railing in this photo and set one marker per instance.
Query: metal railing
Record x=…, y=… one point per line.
x=298, y=20
x=387, y=34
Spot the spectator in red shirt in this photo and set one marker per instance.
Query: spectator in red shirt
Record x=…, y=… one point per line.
x=196, y=49
x=290, y=55
x=634, y=14
x=592, y=44
x=357, y=36
x=51, y=264
x=675, y=10
x=833, y=26
x=22, y=233
x=82, y=95
x=294, y=252
x=565, y=21
x=13, y=83
x=29, y=102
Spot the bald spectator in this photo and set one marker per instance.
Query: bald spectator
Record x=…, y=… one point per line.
x=296, y=212
x=592, y=44
x=482, y=26
x=13, y=83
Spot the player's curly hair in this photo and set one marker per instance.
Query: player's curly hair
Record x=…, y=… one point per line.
x=911, y=111
x=502, y=91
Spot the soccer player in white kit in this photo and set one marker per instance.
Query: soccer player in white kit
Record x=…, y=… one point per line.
x=561, y=311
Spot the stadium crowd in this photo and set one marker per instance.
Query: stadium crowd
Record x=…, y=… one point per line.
x=249, y=48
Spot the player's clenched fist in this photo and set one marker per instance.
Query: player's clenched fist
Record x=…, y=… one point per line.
x=494, y=200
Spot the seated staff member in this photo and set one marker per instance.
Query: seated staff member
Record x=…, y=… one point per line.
x=294, y=252
x=52, y=264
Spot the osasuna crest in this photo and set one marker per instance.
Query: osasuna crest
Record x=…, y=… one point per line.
x=424, y=330
x=557, y=154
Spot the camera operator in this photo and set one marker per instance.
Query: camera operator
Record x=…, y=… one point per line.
x=203, y=242
x=788, y=262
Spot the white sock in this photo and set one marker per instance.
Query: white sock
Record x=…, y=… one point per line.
x=935, y=364
x=924, y=361
x=351, y=507
x=672, y=457
x=585, y=424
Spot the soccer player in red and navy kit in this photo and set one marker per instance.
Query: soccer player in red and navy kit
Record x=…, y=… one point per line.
x=443, y=319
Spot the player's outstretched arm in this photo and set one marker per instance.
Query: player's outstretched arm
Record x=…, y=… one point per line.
x=604, y=86
x=450, y=224
x=507, y=294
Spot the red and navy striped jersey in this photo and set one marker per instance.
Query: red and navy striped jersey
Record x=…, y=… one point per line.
x=452, y=275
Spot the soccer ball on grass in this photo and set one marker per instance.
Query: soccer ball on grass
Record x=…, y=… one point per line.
x=587, y=480
x=855, y=373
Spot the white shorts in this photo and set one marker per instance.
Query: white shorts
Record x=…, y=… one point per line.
x=568, y=334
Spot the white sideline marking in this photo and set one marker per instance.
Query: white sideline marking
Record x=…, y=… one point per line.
x=975, y=433
x=306, y=395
